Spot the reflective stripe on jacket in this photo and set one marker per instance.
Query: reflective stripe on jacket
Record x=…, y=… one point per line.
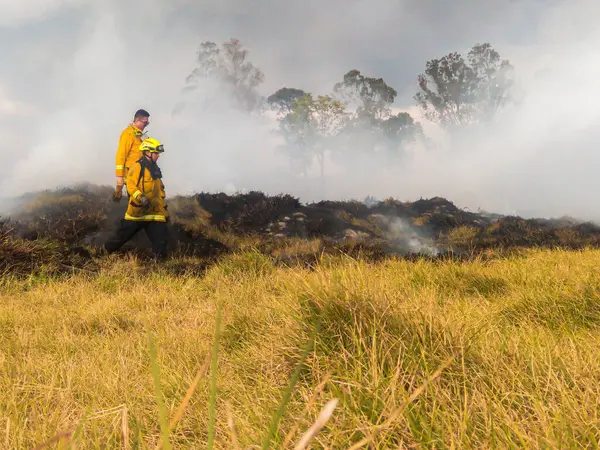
x=153, y=189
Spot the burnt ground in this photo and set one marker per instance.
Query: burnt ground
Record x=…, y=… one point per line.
x=66, y=228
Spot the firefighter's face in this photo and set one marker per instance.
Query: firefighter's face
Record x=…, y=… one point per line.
x=142, y=122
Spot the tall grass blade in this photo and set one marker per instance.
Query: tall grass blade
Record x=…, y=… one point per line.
x=162, y=410
x=77, y=434
x=321, y=421
x=234, y=439
x=213, y=380
x=188, y=395
x=396, y=413
x=288, y=391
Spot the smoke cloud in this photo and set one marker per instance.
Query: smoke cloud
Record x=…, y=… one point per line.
x=76, y=70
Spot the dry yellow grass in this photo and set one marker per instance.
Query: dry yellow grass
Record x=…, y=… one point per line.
x=496, y=354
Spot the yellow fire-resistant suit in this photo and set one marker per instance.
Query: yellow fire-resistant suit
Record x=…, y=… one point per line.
x=153, y=189
x=128, y=151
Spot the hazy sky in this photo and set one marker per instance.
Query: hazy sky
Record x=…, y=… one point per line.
x=74, y=71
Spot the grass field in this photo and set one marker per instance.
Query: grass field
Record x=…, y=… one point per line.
x=499, y=353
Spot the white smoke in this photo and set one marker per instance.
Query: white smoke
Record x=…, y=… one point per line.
x=404, y=237
x=75, y=72
x=14, y=14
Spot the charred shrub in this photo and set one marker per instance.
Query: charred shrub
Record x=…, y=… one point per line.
x=249, y=212
x=66, y=215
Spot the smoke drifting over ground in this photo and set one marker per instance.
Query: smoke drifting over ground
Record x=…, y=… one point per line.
x=75, y=72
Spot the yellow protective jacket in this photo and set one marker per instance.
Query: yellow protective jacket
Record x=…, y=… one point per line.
x=128, y=151
x=153, y=189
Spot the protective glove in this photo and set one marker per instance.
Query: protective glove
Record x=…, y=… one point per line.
x=144, y=200
x=118, y=194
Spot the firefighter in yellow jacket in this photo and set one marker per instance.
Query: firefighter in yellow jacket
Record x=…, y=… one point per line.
x=128, y=151
x=147, y=208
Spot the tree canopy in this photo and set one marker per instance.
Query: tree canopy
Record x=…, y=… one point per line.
x=358, y=117
x=282, y=99
x=370, y=97
x=228, y=64
x=456, y=91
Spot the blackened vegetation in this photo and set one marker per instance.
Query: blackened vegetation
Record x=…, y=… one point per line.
x=22, y=256
x=243, y=214
x=66, y=215
x=64, y=229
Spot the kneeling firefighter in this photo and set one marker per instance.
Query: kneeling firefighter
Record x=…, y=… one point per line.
x=147, y=208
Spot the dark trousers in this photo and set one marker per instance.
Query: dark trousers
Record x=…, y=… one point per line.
x=156, y=232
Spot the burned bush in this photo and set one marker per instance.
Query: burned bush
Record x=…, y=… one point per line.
x=209, y=225
x=246, y=213
x=65, y=215
x=20, y=257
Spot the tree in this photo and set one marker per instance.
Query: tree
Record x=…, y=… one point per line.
x=455, y=92
x=399, y=130
x=493, y=78
x=229, y=67
x=282, y=99
x=313, y=124
x=296, y=128
x=371, y=97
x=372, y=126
